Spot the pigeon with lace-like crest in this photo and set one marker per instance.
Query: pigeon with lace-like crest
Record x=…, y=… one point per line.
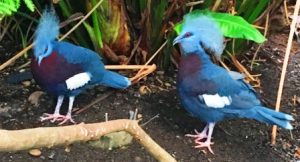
x=64, y=69
x=210, y=92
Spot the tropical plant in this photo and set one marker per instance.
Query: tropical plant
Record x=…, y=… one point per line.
x=7, y=7
x=131, y=31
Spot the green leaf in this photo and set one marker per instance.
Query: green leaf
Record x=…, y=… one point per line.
x=260, y=7
x=91, y=33
x=96, y=26
x=178, y=28
x=29, y=5
x=231, y=26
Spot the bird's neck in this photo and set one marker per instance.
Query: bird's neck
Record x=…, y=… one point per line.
x=204, y=58
x=189, y=65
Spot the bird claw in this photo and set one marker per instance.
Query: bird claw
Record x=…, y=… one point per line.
x=57, y=117
x=52, y=117
x=206, y=144
x=65, y=119
x=198, y=136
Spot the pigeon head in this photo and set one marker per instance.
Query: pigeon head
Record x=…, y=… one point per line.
x=200, y=33
x=46, y=32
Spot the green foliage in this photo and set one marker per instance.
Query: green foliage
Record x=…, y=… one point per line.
x=231, y=26
x=120, y=24
x=67, y=10
x=7, y=7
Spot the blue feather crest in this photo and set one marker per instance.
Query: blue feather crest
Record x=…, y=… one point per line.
x=48, y=28
x=210, y=35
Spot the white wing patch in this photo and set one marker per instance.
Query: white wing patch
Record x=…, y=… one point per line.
x=78, y=80
x=216, y=101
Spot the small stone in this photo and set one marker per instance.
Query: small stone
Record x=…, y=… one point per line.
x=35, y=152
x=168, y=84
x=160, y=72
x=26, y=83
x=51, y=156
x=68, y=149
x=137, y=159
x=139, y=116
x=34, y=98
x=144, y=90
x=22, y=70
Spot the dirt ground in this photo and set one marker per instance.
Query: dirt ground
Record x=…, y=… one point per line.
x=235, y=140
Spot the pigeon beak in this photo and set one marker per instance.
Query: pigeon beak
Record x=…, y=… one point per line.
x=40, y=58
x=177, y=40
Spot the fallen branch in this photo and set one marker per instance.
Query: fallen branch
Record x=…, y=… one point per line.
x=15, y=140
x=94, y=102
x=284, y=67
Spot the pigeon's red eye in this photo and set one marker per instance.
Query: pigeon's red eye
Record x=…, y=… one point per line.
x=187, y=34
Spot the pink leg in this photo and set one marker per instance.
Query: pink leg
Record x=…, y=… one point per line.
x=68, y=117
x=207, y=142
x=56, y=116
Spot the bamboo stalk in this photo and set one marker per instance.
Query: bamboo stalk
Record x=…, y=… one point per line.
x=15, y=140
x=284, y=67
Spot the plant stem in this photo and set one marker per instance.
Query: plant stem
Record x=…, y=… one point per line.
x=284, y=67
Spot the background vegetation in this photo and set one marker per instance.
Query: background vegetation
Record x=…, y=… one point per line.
x=127, y=31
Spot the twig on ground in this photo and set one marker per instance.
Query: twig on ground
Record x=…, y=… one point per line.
x=142, y=74
x=154, y=117
x=95, y=102
x=284, y=67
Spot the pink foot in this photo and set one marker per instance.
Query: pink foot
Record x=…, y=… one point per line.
x=198, y=136
x=206, y=144
x=57, y=117
x=65, y=119
x=206, y=133
x=53, y=117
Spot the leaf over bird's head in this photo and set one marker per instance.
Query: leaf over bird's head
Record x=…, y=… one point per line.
x=231, y=26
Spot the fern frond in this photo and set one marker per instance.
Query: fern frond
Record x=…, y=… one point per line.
x=7, y=7
x=4, y=11
x=16, y=4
